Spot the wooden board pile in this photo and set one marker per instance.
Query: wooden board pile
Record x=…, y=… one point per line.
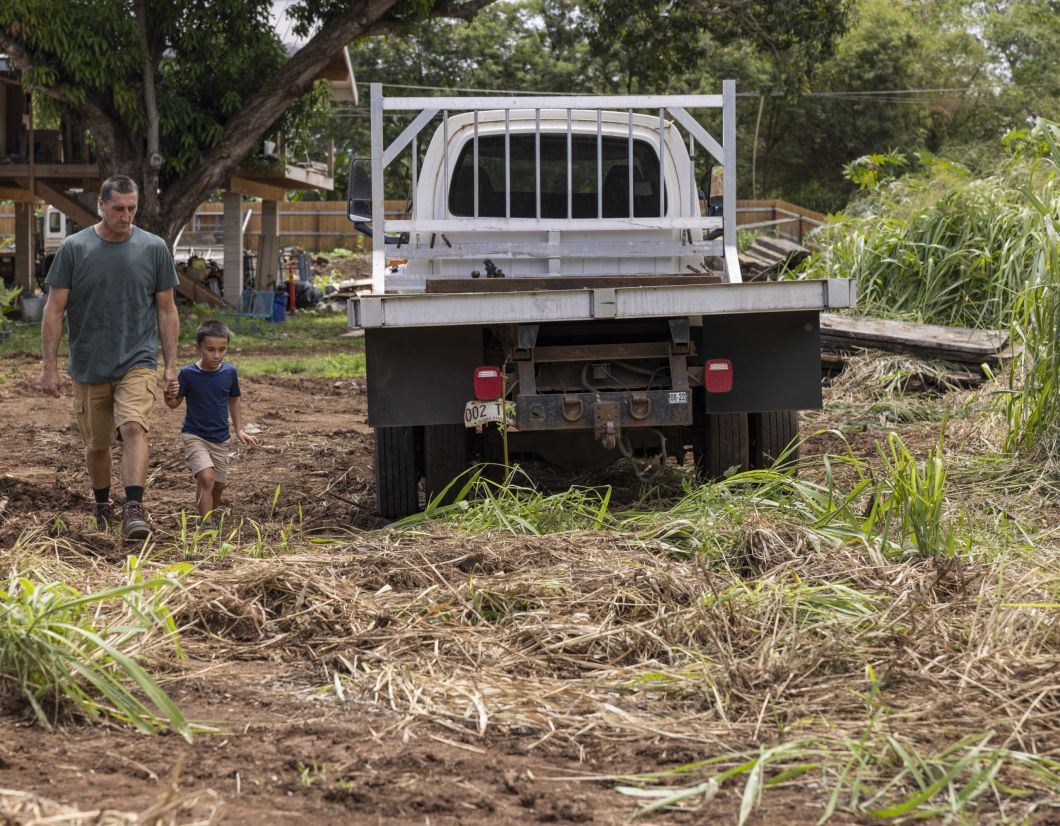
x=767, y=257
x=963, y=348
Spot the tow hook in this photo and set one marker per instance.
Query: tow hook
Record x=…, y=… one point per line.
x=573, y=409
x=639, y=406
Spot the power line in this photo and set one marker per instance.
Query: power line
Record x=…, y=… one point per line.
x=858, y=94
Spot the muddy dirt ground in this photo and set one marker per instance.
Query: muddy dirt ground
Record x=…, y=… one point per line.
x=283, y=755
x=284, y=752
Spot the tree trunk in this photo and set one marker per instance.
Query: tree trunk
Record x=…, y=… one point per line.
x=121, y=151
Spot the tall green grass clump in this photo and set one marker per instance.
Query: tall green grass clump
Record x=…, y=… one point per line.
x=940, y=244
x=514, y=506
x=1033, y=403
x=64, y=651
x=897, y=511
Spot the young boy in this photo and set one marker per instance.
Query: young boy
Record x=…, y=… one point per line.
x=211, y=387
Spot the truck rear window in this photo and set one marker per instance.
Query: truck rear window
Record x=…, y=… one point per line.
x=584, y=178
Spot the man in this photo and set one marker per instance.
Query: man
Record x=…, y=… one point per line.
x=115, y=283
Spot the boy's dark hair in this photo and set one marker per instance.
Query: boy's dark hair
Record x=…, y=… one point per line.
x=214, y=329
x=117, y=183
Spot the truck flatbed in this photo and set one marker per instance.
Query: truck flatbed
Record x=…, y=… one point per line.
x=565, y=282
x=587, y=304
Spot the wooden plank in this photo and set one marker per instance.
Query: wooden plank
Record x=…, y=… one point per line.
x=782, y=247
x=18, y=195
x=61, y=171
x=74, y=210
x=764, y=258
x=196, y=292
x=566, y=282
x=952, y=343
x=256, y=189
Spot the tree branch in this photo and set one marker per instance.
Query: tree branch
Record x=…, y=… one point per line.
x=264, y=107
x=100, y=122
x=27, y=62
x=450, y=10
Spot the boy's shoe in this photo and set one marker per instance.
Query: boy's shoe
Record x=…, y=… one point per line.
x=134, y=521
x=103, y=515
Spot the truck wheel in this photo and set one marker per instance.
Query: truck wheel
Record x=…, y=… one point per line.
x=724, y=445
x=444, y=458
x=396, y=480
x=770, y=434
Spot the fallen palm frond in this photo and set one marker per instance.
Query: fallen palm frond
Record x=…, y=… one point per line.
x=62, y=650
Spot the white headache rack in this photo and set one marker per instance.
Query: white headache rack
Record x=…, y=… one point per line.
x=491, y=186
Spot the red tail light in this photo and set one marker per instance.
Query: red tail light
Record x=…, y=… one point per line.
x=489, y=383
x=717, y=376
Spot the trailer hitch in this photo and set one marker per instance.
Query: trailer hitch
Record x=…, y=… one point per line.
x=607, y=424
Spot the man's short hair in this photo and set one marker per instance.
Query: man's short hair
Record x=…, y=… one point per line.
x=117, y=183
x=214, y=329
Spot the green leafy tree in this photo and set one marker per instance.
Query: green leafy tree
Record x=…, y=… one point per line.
x=905, y=76
x=1024, y=36
x=558, y=46
x=648, y=43
x=177, y=93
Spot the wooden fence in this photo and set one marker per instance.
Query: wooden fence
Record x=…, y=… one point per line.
x=774, y=216
x=316, y=226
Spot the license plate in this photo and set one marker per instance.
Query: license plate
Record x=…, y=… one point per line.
x=477, y=414
x=679, y=398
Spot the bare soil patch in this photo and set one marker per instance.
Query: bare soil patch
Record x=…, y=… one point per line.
x=434, y=677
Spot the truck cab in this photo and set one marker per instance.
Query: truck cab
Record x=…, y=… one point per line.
x=564, y=273
x=55, y=227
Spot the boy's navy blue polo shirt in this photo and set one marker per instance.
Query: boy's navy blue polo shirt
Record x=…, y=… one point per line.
x=207, y=393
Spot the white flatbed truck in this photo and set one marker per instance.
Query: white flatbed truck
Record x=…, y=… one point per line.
x=561, y=266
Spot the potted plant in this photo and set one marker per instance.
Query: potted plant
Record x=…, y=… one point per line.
x=8, y=297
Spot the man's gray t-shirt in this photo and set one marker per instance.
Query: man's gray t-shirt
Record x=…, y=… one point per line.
x=111, y=309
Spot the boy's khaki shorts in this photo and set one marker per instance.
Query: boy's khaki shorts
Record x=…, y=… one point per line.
x=202, y=454
x=102, y=408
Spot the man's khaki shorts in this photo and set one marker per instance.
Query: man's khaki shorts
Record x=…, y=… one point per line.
x=202, y=454
x=102, y=408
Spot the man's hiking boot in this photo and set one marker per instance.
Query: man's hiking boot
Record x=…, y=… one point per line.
x=103, y=515
x=134, y=521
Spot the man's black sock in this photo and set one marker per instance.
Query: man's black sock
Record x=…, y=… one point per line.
x=102, y=495
x=134, y=493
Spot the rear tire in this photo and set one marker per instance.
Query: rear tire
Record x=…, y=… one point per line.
x=396, y=479
x=444, y=458
x=724, y=445
x=770, y=434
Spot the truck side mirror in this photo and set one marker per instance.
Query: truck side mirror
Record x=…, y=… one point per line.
x=359, y=193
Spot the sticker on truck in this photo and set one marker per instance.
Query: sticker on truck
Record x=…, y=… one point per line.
x=680, y=397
